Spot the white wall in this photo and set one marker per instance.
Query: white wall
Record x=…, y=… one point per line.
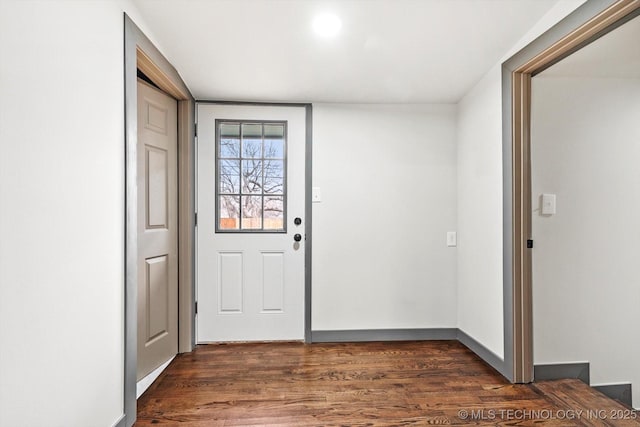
x=388, y=181
x=480, y=305
x=61, y=215
x=480, y=312
x=586, y=291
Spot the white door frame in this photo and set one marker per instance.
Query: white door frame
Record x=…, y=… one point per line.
x=140, y=53
x=308, y=153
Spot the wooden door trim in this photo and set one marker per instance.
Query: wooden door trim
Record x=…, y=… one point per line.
x=588, y=23
x=140, y=53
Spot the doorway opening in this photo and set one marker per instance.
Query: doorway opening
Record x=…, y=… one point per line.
x=584, y=147
x=585, y=25
x=140, y=55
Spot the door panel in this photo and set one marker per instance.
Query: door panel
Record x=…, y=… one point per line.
x=157, y=229
x=158, y=297
x=273, y=282
x=230, y=282
x=157, y=180
x=250, y=271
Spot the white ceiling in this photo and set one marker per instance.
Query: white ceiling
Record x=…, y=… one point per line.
x=615, y=55
x=418, y=51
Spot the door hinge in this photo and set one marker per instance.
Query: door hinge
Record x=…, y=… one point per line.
x=195, y=219
x=195, y=130
x=529, y=244
x=196, y=307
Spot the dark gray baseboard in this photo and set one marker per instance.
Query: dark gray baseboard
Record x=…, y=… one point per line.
x=363, y=335
x=559, y=371
x=483, y=352
x=619, y=392
x=121, y=422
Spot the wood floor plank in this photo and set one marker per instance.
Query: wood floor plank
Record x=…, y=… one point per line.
x=599, y=409
x=352, y=384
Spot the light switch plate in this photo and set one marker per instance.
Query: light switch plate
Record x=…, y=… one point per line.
x=316, y=195
x=452, y=238
x=548, y=204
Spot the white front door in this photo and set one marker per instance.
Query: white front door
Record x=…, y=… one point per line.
x=250, y=204
x=157, y=228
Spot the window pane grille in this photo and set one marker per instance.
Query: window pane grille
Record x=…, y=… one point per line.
x=251, y=176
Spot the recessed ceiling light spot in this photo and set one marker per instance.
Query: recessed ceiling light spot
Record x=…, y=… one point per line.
x=327, y=25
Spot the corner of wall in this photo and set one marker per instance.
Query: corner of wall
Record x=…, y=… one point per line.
x=480, y=215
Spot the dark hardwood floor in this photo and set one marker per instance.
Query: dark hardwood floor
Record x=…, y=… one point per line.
x=360, y=384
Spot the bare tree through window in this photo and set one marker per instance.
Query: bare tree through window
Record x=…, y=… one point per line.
x=251, y=176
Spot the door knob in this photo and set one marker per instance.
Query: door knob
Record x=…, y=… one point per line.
x=297, y=237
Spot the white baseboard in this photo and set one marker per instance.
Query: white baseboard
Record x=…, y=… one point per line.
x=146, y=382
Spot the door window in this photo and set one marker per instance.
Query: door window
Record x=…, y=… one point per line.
x=251, y=176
